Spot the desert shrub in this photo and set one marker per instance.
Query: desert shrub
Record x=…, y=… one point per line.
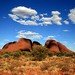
x=26, y=53
x=74, y=54
x=16, y=54
x=6, y=55
x=39, y=52
x=68, y=55
x=50, y=54
x=60, y=54
x=64, y=54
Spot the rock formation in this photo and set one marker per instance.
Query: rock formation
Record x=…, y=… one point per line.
x=21, y=44
x=63, y=48
x=35, y=43
x=27, y=45
x=56, y=47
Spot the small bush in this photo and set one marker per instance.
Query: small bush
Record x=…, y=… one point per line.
x=26, y=53
x=16, y=54
x=6, y=55
x=69, y=55
x=50, y=54
x=60, y=54
x=39, y=52
x=65, y=54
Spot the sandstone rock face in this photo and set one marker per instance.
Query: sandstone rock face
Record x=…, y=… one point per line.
x=55, y=46
x=8, y=44
x=35, y=43
x=52, y=45
x=21, y=44
x=27, y=45
x=54, y=49
x=63, y=48
x=1, y=51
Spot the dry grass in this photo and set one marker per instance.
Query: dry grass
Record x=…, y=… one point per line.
x=49, y=66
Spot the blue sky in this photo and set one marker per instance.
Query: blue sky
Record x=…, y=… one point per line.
x=38, y=20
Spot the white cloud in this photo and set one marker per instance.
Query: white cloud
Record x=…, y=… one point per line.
x=66, y=22
x=71, y=15
x=36, y=17
x=22, y=11
x=44, y=14
x=14, y=17
x=65, y=30
x=47, y=23
x=31, y=22
x=24, y=15
x=56, y=13
x=29, y=34
x=28, y=22
x=29, y=16
x=50, y=37
x=46, y=20
x=55, y=17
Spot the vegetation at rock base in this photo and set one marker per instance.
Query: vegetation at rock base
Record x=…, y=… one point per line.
x=39, y=52
x=39, y=61
x=48, y=66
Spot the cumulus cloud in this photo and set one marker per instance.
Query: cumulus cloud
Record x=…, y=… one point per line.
x=28, y=22
x=71, y=15
x=66, y=22
x=56, y=18
x=24, y=15
x=22, y=11
x=29, y=34
x=14, y=17
x=36, y=17
x=46, y=20
x=29, y=16
x=56, y=13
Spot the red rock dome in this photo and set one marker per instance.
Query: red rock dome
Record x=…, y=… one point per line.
x=21, y=44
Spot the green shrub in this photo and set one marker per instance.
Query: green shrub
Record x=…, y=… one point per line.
x=26, y=53
x=65, y=54
x=39, y=52
x=60, y=54
x=6, y=55
x=69, y=54
x=50, y=54
x=16, y=54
